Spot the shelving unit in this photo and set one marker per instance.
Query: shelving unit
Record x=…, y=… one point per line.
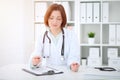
x=101, y=29
x=100, y=26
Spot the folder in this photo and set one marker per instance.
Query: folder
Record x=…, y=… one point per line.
x=40, y=9
x=112, y=34
x=105, y=12
x=67, y=9
x=118, y=34
x=42, y=71
x=89, y=12
x=83, y=12
x=96, y=12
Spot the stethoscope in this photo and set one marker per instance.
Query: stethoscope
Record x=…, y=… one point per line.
x=62, y=49
x=105, y=68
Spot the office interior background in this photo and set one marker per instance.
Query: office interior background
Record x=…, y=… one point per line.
x=18, y=23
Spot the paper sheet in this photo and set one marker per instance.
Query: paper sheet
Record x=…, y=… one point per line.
x=40, y=71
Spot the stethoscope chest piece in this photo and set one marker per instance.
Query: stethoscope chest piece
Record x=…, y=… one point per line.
x=62, y=58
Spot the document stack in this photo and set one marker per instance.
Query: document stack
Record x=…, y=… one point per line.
x=113, y=59
x=94, y=57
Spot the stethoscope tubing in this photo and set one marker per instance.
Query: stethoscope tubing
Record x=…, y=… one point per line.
x=62, y=49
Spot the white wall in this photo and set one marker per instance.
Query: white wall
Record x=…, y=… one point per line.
x=28, y=29
x=16, y=31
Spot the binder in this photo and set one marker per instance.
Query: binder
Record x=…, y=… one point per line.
x=40, y=9
x=112, y=34
x=105, y=12
x=118, y=34
x=96, y=12
x=83, y=12
x=67, y=10
x=89, y=12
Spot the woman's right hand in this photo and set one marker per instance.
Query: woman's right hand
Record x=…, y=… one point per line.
x=36, y=60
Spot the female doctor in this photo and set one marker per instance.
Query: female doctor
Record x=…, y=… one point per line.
x=58, y=45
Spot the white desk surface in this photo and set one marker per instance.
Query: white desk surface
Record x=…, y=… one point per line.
x=15, y=72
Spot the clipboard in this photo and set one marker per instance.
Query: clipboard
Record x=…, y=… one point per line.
x=42, y=71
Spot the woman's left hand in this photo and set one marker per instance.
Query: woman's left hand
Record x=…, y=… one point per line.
x=74, y=67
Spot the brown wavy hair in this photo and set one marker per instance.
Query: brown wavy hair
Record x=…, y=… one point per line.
x=54, y=7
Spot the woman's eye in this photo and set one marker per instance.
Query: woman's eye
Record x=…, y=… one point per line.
x=58, y=19
x=51, y=18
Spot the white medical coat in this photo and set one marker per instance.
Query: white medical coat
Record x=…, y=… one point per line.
x=71, y=49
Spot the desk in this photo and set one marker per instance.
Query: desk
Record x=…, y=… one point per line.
x=14, y=72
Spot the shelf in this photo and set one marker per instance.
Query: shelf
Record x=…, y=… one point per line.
x=113, y=45
x=88, y=0
x=90, y=44
x=110, y=0
x=70, y=21
x=111, y=23
x=90, y=23
x=53, y=0
x=38, y=22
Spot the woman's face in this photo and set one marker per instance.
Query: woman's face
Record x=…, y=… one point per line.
x=55, y=20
